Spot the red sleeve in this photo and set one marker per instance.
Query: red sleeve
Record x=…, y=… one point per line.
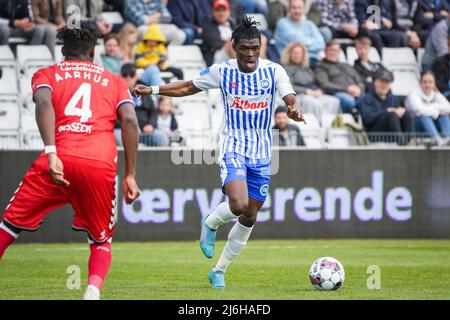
x=42, y=78
x=123, y=93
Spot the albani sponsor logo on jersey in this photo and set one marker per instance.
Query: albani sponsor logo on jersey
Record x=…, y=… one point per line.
x=239, y=103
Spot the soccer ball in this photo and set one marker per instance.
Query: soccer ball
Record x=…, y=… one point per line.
x=326, y=274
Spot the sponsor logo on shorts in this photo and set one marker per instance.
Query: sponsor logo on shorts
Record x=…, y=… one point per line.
x=240, y=172
x=264, y=190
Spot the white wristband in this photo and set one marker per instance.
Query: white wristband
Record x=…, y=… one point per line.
x=155, y=89
x=50, y=149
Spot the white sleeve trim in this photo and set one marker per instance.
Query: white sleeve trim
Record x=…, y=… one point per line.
x=124, y=101
x=45, y=86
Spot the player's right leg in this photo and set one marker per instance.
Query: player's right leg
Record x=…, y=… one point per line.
x=233, y=174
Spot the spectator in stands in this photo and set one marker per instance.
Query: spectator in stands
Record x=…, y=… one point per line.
x=381, y=110
x=433, y=12
x=111, y=59
x=441, y=69
x=162, y=127
x=254, y=6
x=363, y=65
x=407, y=16
x=383, y=33
x=143, y=13
x=285, y=134
x=296, y=63
x=90, y=10
x=296, y=27
x=430, y=108
x=15, y=21
x=190, y=16
x=339, y=17
x=339, y=79
x=150, y=53
x=217, y=33
x=435, y=47
x=127, y=41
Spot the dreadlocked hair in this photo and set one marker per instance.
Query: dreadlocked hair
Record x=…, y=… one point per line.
x=78, y=40
x=246, y=29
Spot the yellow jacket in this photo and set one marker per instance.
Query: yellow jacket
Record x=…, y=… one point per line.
x=145, y=55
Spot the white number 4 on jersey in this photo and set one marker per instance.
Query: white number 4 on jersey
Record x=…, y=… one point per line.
x=84, y=94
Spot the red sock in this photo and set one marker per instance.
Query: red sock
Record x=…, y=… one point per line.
x=5, y=241
x=99, y=263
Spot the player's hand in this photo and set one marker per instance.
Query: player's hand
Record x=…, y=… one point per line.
x=56, y=169
x=140, y=89
x=295, y=114
x=130, y=189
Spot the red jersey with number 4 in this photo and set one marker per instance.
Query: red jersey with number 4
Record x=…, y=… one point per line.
x=85, y=98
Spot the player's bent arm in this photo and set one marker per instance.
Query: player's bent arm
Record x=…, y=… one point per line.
x=173, y=89
x=130, y=136
x=45, y=115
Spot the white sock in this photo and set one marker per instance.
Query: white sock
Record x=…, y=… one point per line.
x=237, y=239
x=221, y=215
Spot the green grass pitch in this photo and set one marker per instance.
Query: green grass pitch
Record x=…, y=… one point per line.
x=410, y=269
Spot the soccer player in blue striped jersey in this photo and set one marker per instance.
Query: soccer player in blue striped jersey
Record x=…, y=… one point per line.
x=248, y=86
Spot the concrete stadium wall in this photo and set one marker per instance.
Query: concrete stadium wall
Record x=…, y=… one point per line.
x=315, y=194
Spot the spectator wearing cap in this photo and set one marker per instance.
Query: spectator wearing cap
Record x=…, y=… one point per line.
x=431, y=109
x=381, y=110
x=339, y=17
x=217, y=32
x=143, y=13
x=380, y=31
x=363, y=65
x=435, y=47
x=285, y=134
x=297, y=28
x=190, y=16
x=441, y=69
x=339, y=79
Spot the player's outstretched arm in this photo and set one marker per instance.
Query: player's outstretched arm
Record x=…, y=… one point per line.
x=130, y=138
x=293, y=111
x=45, y=118
x=173, y=89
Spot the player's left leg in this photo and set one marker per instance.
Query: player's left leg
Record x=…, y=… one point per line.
x=99, y=264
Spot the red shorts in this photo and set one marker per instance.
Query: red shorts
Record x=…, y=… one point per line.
x=91, y=193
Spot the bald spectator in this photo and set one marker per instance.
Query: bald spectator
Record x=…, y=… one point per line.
x=297, y=28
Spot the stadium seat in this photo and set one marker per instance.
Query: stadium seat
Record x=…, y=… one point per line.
x=112, y=17
x=420, y=54
x=336, y=137
x=311, y=131
x=6, y=56
x=186, y=57
x=405, y=81
x=399, y=58
x=35, y=56
x=9, y=113
x=8, y=82
x=99, y=50
x=342, y=57
x=9, y=140
x=58, y=54
x=259, y=17
x=32, y=141
x=352, y=55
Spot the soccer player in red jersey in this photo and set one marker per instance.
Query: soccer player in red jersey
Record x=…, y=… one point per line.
x=77, y=104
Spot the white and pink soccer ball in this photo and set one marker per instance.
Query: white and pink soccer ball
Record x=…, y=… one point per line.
x=327, y=273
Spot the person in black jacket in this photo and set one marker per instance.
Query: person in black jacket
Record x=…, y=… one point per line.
x=217, y=32
x=15, y=21
x=363, y=65
x=441, y=70
x=285, y=134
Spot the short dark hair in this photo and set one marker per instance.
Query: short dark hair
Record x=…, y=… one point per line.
x=280, y=109
x=128, y=70
x=332, y=43
x=78, y=41
x=246, y=29
x=111, y=36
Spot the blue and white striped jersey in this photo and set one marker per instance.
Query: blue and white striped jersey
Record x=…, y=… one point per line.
x=249, y=100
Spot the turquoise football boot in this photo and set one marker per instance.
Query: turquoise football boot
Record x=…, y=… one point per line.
x=217, y=279
x=207, y=239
